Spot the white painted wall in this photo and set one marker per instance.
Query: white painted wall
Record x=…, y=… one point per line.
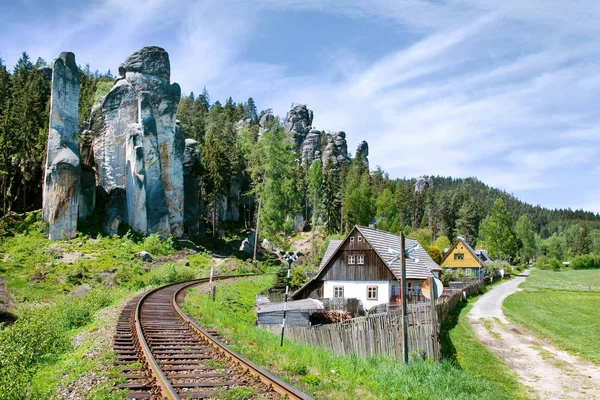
x=358, y=290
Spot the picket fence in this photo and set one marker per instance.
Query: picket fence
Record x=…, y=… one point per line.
x=380, y=334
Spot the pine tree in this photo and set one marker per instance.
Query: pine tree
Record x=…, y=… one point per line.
x=216, y=174
x=357, y=200
x=331, y=198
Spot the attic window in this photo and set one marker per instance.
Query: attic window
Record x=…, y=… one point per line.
x=360, y=259
x=459, y=256
x=360, y=238
x=351, y=260
x=351, y=239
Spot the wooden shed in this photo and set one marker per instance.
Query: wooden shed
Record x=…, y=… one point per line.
x=298, y=312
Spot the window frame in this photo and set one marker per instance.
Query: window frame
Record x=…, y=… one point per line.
x=351, y=259
x=351, y=239
x=459, y=256
x=340, y=287
x=360, y=238
x=360, y=257
x=369, y=287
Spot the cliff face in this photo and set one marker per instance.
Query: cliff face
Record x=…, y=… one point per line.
x=63, y=169
x=137, y=148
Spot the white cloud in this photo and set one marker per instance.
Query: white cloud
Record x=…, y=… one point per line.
x=506, y=91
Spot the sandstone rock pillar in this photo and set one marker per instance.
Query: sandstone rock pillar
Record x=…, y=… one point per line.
x=63, y=170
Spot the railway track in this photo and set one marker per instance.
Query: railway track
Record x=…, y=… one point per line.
x=164, y=354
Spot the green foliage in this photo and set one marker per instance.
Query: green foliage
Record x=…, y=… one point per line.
x=435, y=254
x=446, y=276
x=40, y=335
x=496, y=266
x=496, y=232
x=274, y=172
x=442, y=242
x=526, y=237
x=170, y=273
x=241, y=393
x=357, y=200
x=422, y=235
x=156, y=246
x=387, y=216
x=548, y=263
x=587, y=261
x=332, y=204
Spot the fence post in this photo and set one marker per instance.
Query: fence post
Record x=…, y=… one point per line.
x=434, y=327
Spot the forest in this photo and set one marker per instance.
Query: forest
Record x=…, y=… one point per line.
x=285, y=194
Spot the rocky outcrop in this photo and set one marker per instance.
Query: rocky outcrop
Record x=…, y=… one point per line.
x=311, y=148
x=423, y=183
x=336, y=148
x=265, y=123
x=298, y=122
x=87, y=190
x=137, y=147
x=191, y=177
x=362, y=151
x=63, y=170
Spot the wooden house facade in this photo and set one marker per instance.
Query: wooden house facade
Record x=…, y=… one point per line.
x=461, y=256
x=361, y=267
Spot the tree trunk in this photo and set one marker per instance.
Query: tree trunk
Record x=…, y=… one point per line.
x=256, y=233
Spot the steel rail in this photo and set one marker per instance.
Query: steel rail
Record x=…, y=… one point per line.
x=167, y=390
x=265, y=376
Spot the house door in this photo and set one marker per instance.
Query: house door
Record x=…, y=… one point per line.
x=395, y=294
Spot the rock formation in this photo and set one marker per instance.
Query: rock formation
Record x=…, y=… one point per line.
x=63, y=171
x=265, y=123
x=191, y=175
x=298, y=121
x=138, y=150
x=311, y=148
x=422, y=183
x=337, y=148
x=362, y=151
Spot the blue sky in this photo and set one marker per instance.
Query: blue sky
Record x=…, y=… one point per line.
x=507, y=91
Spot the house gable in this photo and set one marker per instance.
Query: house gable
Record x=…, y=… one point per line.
x=460, y=255
x=340, y=268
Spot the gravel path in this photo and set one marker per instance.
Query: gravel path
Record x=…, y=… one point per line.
x=549, y=373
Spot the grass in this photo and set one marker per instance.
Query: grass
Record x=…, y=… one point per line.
x=461, y=346
x=556, y=305
x=324, y=375
x=60, y=290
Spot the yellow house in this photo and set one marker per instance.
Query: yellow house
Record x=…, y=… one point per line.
x=461, y=256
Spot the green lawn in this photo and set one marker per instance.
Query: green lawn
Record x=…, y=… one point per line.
x=327, y=376
x=460, y=345
x=557, y=306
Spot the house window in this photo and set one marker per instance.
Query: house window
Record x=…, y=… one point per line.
x=360, y=238
x=468, y=272
x=351, y=239
x=459, y=256
x=338, y=291
x=351, y=260
x=371, y=292
x=360, y=259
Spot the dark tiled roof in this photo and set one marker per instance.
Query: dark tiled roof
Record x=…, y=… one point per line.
x=381, y=241
x=331, y=248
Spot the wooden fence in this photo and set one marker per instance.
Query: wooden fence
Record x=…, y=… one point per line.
x=380, y=334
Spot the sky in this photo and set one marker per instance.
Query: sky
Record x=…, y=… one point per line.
x=506, y=91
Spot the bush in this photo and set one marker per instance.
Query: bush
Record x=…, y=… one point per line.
x=156, y=246
x=170, y=273
x=588, y=261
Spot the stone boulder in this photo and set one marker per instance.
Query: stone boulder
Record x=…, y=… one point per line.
x=63, y=169
x=362, y=151
x=247, y=245
x=138, y=148
x=144, y=256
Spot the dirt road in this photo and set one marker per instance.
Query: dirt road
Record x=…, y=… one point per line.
x=549, y=372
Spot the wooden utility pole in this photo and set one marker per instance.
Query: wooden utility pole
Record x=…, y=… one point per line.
x=434, y=326
x=404, y=303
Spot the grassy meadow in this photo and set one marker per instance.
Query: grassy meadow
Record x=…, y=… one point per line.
x=327, y=376
x=557, y=305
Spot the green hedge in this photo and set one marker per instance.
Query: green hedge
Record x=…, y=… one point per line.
x=587, y=261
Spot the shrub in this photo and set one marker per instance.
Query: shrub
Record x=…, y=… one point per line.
x=156, y=246
x=547, y=263
x=170, y=273
x=588, y=261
